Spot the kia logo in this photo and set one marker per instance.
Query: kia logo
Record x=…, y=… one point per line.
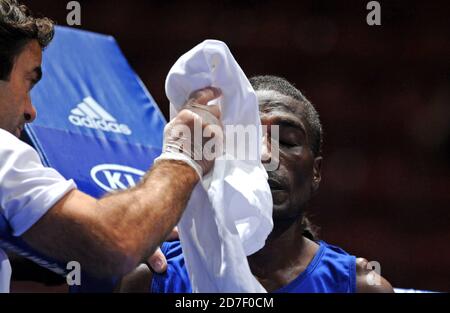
x=111, y=177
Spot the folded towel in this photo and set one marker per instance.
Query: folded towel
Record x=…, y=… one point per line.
x=229, y=215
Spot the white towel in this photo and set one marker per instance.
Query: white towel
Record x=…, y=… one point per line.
x=230, y=216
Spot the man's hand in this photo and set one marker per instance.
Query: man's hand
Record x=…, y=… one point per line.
x=157, y=262
x=196, y=124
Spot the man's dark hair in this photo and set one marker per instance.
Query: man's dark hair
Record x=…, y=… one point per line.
x=281, y=85
x=18, y=26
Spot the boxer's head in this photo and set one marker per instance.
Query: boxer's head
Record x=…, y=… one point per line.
x=298, y=175
x=22, y=38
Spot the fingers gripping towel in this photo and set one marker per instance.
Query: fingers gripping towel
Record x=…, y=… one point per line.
x=230, y=216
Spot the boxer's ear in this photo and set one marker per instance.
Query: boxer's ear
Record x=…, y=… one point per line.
x=317, y=174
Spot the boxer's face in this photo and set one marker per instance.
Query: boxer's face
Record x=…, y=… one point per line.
x=298, y=174
x=15, y=103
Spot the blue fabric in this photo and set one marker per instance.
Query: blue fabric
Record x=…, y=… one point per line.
x=332, y=270
x=79, y=68
x=176, y=278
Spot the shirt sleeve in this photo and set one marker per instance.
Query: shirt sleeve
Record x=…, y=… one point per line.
x=27, y=188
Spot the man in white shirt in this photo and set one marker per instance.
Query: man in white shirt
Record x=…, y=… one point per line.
x=109, y=236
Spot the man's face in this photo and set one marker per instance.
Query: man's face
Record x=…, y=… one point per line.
x=15, y=103
x=298, y=173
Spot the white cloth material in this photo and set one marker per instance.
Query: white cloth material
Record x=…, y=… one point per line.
x=229, y=216
x=27, y=191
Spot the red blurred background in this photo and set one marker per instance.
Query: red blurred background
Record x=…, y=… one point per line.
x=383, y=94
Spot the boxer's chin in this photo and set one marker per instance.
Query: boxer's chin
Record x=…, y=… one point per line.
x=280, y=202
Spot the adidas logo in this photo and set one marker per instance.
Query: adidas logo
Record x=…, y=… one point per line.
x=90, y=114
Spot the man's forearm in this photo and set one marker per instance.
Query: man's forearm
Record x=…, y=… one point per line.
x=110, y=236
x=148, y=212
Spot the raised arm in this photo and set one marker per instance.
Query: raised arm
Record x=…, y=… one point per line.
x=112, y=235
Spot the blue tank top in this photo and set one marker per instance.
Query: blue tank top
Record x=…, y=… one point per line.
x=332, y=270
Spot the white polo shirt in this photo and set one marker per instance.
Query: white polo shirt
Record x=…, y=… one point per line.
x=27, y=191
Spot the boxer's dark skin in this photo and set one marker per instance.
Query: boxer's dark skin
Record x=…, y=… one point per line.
x=287, y=252
x=293, y=184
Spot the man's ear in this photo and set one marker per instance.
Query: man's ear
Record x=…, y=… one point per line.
x=317, y=173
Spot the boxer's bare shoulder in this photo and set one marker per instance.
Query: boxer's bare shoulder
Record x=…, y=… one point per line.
x=368, y=278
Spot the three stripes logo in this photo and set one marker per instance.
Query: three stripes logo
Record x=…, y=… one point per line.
x=90, y=114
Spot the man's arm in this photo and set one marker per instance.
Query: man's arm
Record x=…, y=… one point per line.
x=112, y=235
x=368, y=281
